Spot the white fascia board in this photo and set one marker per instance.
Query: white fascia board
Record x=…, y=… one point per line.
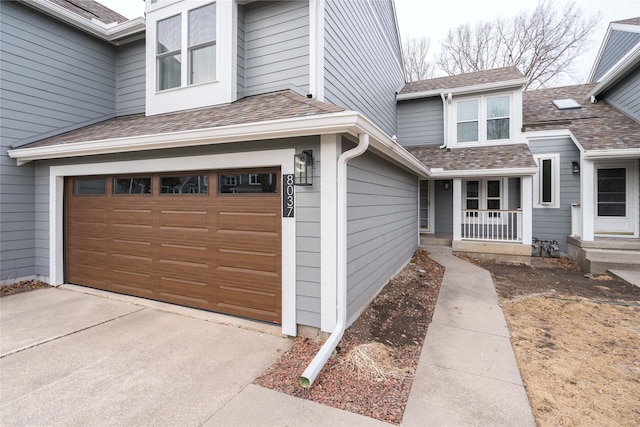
x=464, y=90
x=599, y=55
x=104, y=31
x=618, y=71
x=484, y=173
x=551, y=134
x=349, y=122
x=623, y=153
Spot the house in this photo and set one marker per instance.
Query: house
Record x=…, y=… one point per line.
x=467, y=129
x=511, y=168
x=161, y=157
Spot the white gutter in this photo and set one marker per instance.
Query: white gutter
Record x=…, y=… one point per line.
x=460, y=173
x=481, y=87
x=314, y=368
x=623, y=153
x=108, y=32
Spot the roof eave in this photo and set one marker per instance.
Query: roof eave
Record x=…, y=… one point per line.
x=465, y=90
x=618, y=71
x=349, y=122
x=497, y=172
x=610, y=153
x=110, y=33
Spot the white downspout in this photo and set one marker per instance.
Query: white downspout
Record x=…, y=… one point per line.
x=445, y=117
x=314, y=368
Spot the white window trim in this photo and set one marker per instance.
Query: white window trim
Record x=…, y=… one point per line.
x=271, y=158
x=482, y=121
x=223, y=89
x=555, y=181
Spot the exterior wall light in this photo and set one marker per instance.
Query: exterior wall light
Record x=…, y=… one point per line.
x=575, y=167
x=303, y=166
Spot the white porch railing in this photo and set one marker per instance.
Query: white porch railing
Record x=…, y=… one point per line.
x=492, y=225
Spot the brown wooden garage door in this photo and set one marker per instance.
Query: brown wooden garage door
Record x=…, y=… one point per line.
x=209, y=240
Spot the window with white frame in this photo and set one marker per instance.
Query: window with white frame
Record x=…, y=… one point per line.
x=547, y=182
x=200, y=48
x=483, y=194
x=485, y=118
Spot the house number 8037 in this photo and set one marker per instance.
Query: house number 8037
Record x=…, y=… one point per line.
x=288, y=196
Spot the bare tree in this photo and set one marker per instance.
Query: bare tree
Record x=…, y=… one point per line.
x=542, y=43
x=414, y=56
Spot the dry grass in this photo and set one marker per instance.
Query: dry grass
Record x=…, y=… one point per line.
x=375, y=362
x=580, y=361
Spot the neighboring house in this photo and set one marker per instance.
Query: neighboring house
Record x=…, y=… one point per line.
x=508, y=167
x=468, y=130
x=155, y=157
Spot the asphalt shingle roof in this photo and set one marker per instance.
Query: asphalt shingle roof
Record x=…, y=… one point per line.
x=463, y=80
x=91, y=9
x=630, y=21
x=264, y=107
x=597, y=126
x=476, y=158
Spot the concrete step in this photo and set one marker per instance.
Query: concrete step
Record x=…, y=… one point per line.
x=435, y=240
x=601, y=260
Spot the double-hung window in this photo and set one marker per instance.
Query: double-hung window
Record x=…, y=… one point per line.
x=484, y=194
x=486, y=118
x=202, y=44
x=168, y=52
x=200, y=48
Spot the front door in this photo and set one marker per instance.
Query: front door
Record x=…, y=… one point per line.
x=616, y=196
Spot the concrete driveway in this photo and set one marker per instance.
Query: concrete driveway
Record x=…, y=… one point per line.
x=69, y=358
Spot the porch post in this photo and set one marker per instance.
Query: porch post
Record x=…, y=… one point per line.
x=527, y=209
x=457, y=209
x=587, y=199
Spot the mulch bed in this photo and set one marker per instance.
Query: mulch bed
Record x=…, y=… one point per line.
x=398, y=318
x=22, y=286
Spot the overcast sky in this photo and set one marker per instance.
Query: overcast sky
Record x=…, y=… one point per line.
x=433, y=19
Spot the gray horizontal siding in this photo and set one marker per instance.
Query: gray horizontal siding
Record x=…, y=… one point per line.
x=555, y=223
x=626, y=95
x=53, y=78
x=362, y=69
x=421, y=122
x=382, y=226
x=276, y=46
x=130, y=78
x=619, y=43
x=241, y=53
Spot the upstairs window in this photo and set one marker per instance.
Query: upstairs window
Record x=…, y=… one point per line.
x=198, y=28
x=468, y=121
x=483, y=119
x=168, y=52
x=202, y=44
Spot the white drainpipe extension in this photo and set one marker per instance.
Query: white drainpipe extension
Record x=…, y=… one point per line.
x=445, y=117
x=314, y=368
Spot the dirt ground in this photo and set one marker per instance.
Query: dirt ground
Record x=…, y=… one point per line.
x=577, y=341
x=372, y=372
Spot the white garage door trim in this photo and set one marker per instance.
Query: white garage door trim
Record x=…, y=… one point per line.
x=279, y=158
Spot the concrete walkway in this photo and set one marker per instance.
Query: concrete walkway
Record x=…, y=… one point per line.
x=631, y=277
x=467, y=374
x=70, y=358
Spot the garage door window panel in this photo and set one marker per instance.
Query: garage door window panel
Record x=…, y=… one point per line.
x=184, y=185
x=90, y=187
x=248, y=183
x=132, y=186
